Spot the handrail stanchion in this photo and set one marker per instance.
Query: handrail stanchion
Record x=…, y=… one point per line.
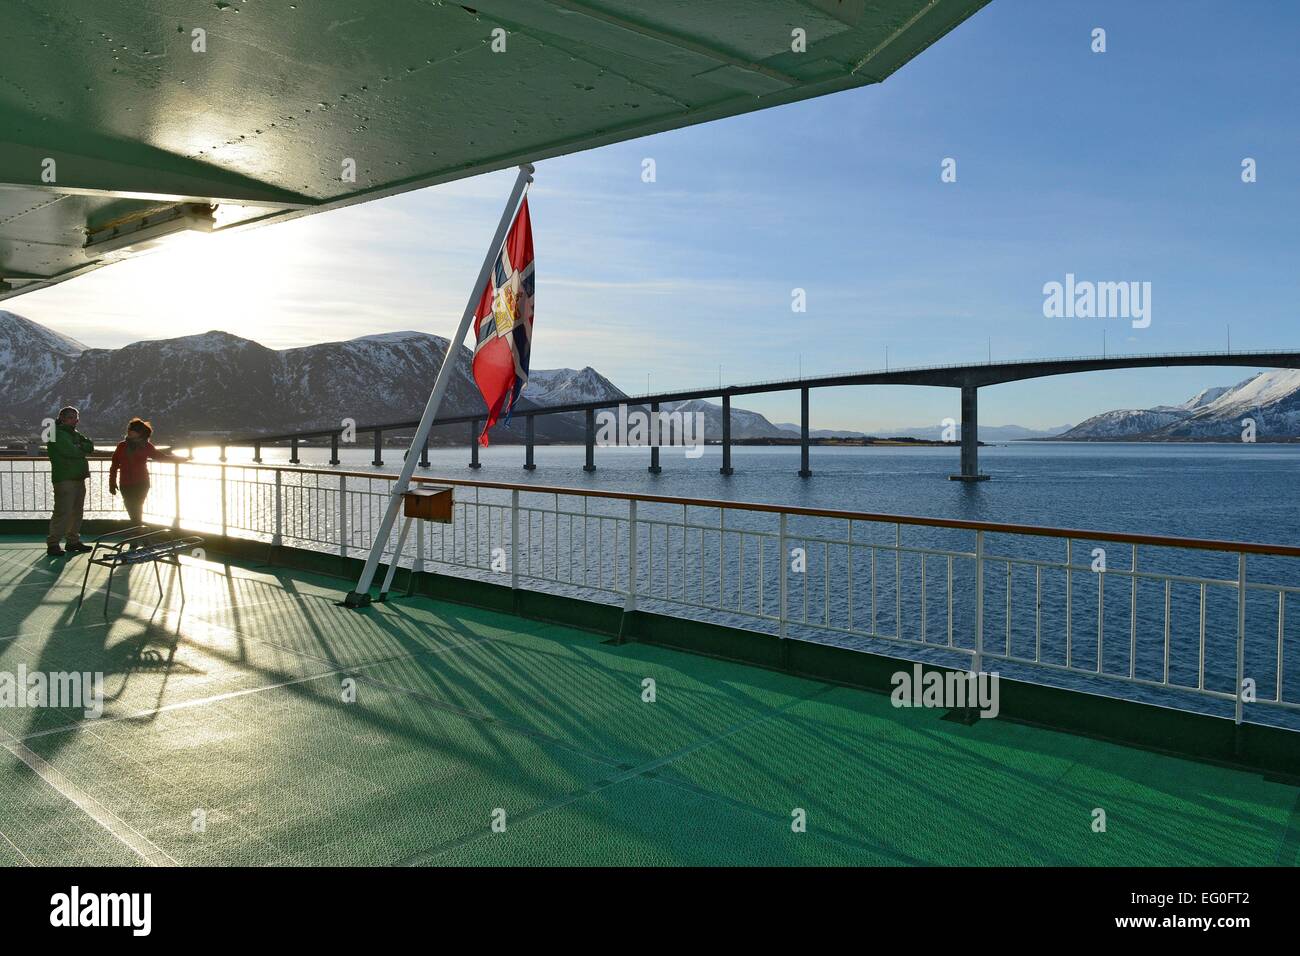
x=979, y=603
x=418, y=566
x=343, y=516
x=223, y=500
x=1241, y=633
x=1133, y=616
x=785, y=567
x=1069, y=602
x=176, y=495
x=514, y=537
x=277, y=537
x=632, y=556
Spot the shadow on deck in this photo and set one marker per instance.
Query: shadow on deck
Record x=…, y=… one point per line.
x=263, y=724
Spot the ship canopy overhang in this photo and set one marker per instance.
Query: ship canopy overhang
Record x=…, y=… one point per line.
x=121, y=124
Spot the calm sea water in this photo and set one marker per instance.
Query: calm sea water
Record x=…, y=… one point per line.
x=1239, y=492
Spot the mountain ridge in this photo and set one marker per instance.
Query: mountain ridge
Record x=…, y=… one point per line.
x=217, y=384
x=1269, y=399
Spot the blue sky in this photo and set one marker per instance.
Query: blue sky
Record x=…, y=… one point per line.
x=1115, y=166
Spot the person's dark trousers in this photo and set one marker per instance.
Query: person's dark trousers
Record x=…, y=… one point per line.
x=69, y=502
x=133, y=500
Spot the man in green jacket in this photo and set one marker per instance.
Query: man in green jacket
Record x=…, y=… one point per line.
x=69, y=471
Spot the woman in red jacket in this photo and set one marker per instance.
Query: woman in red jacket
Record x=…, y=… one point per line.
x=131, y=463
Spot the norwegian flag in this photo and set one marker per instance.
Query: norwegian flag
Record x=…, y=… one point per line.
x=503, y=323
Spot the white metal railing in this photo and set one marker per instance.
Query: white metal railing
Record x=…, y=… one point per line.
x=1140, y=616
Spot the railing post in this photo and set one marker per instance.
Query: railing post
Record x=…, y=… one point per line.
x=334, y=448
x=785, y=567
x=277, y=538
x=1241, y=632
x=473, y=445
x=176, y=495
x=223, y=500
x=514, y=535
x=424, y=453
x=257, y=452
x=979, y=603
x=417, y=567
x=343, y=516
x=631, y=556
x=1133, y=615
x=379, y=448
x=293, y=452
x=1069, y=601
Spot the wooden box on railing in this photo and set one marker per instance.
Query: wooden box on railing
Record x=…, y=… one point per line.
x=430, y=502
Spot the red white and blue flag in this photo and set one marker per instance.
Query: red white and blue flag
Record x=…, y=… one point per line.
x=503, y=323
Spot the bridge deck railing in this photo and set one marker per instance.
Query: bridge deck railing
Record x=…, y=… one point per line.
x=1198, y=624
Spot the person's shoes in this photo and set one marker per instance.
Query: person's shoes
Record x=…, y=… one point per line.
x=54, y=551
x=78, y=548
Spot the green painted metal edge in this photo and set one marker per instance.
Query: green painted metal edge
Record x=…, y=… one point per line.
x=1270, y=750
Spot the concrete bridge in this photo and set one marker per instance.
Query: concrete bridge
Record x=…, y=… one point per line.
x=968, y=378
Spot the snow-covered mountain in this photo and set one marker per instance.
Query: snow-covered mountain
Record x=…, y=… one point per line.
x=1204, y=397
x=566, y=386
x=218, y=383
x=1271, y=399
x=224, y=384
x=32, y=358
x=744, y=424
x=1126, y=423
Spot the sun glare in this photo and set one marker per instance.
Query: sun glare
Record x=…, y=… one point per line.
x=230, y=282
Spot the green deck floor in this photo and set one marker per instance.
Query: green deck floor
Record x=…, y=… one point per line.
x=233, y=706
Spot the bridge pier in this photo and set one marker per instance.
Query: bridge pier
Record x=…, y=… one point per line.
x=654, y=439
x=804, y=470
x=591, y=441
x=970, y=442
x=473, y=445
x=529, y=464
x=726, y=436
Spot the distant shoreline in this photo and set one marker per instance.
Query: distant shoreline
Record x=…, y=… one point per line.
x=846, y=442
x=1203, y=440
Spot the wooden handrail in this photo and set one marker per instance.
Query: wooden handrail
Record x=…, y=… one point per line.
x=1166, y=541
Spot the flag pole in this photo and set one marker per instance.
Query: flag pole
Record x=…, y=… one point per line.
x=360, y=597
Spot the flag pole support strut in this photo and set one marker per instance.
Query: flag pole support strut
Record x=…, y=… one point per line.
x=360, y=596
